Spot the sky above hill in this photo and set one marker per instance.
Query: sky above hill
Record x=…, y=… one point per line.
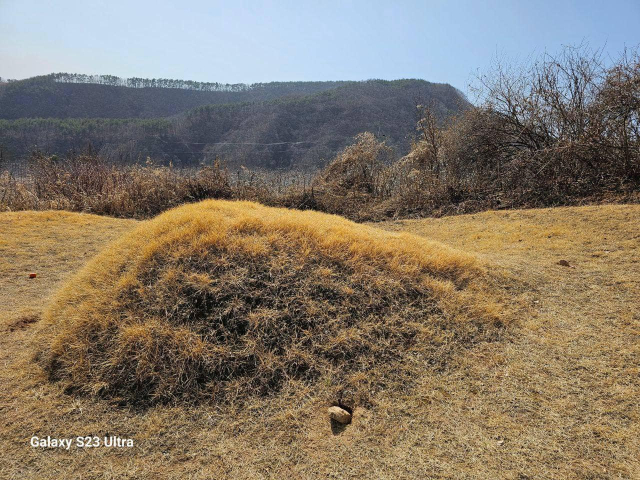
x=255, y=41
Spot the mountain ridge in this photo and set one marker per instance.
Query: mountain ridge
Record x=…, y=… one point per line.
x=279, y=129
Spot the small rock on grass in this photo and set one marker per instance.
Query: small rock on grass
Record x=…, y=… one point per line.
x=340, y=415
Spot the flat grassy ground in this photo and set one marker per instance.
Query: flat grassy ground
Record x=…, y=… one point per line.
x=558, y=397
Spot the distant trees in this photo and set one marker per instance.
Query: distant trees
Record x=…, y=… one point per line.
x=556, y=131
x=137, y=82
x=117, y=140
x=44, y=97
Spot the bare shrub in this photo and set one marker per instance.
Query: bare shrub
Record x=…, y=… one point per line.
x=560, y=130
x=87, y=183
x=559, y=126
x=357, y=176
x=618, y=106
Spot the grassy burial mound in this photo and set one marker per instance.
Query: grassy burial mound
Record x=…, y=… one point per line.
x=223, y=300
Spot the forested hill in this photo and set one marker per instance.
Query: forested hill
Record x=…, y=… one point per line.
x=308, y=131
x=301, y=131
x=106, y=96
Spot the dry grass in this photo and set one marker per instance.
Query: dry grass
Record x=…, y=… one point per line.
x=556, y=398
x=562, y=395
x=50, y=244
x=224, y=300
x=87, y=183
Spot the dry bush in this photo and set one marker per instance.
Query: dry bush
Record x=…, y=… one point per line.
x=561, y=130
x=219, y=301
x=13, y=194
x=357, y=177
x=87, y=183
x=618, y=111
x=565, y=126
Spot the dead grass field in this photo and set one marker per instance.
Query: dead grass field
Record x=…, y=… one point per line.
x=557, y=398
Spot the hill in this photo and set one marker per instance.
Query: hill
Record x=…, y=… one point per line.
x=554, y=398
x=301, y=131
x=79, y=96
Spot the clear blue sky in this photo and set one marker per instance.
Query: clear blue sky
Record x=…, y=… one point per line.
x=237, y=41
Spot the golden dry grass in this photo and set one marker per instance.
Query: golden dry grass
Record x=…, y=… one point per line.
x=556, y=398
x=220, y=300
x=50, y=244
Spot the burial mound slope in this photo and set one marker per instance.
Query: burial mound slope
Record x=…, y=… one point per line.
x=220, y=301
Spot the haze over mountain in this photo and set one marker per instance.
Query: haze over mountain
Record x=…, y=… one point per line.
x=270, y=125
